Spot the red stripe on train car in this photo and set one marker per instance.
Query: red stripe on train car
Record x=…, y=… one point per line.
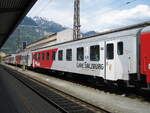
x=145, y=55
x=40, y=63
x=18, y=59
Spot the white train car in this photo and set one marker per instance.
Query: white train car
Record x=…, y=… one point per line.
x=111, y=56
x=26, y=58
x=120, y=55
x=6, y=59
x=10, y=59
x=13, y=60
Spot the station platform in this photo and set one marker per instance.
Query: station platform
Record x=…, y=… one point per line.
x=111, y=102
x=105, y=100
x=15, y=97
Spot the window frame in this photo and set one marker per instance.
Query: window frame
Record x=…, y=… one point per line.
x=120, y=52
x=108, y=57
x=77, y=57
x=94, y=59
x=43, y=56
x=70, y=57
x=60, y=52
x=39, y=56
x=47, y=56
x=53, y=55
x=35, y=56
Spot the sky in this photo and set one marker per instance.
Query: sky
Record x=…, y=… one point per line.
x=97, y=15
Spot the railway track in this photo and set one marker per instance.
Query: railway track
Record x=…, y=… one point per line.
x=130, y=92
x=62, y=101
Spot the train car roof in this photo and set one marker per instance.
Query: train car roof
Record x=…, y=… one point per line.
x=146, y=29
x=129, y=30
x=144, y=24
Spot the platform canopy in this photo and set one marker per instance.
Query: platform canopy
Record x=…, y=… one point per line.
x=11, y=14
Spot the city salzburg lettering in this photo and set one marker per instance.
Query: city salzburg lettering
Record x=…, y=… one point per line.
x=90, y=66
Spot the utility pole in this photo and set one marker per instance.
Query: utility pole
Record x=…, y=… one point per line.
x=76, y=27
x=18, y=40
x=18, y=44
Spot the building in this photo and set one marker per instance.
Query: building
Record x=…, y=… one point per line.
x=55, y=38
x=2, y=54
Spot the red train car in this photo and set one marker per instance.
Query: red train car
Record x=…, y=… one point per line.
x=18, y=59
x=145, y=55
x=43, y=59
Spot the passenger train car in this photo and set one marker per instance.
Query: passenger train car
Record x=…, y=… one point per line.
x=120, y=56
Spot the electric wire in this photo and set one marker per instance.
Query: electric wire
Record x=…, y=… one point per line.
x=45, y=6
x=42, y=8
x=38, y=6
x=110, y=10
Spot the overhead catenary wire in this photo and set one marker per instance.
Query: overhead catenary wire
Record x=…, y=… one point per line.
x=43, y=8
x=127, y=3
x=110, y=10
x=50, y=1
x=36, y=9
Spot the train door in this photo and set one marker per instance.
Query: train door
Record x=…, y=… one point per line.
x=122, y=59
x=110, y=60
x=29, y=59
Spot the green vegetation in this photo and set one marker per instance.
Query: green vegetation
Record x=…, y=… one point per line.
x=32, y=29
x=0, y=59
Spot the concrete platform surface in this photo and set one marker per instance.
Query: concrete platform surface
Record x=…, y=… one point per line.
x=111, y=102
x=15, y=97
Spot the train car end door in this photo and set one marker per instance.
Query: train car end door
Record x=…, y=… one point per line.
x=110, y=60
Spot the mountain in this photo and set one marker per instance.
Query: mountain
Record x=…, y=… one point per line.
x=33, y=29
x=89, y=33
x=28, y=21
x=48, y=26
x=30, y=30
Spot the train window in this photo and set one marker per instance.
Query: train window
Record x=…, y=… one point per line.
x=43, y=55
x=110, y=51
x=60, y=55
x=94, y=53
x=80, y=54
x=26, y=57
x=47, y=56
x=39, y=56
x=35, y=56
x=53, y=55
x=69, y=54
x=120, y=48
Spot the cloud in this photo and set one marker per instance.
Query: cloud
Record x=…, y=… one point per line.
x=54, y=10
x=61, y=11
x=116, y=18
x=96, y=18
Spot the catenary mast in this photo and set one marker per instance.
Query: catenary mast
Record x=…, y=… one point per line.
x=76, y=27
